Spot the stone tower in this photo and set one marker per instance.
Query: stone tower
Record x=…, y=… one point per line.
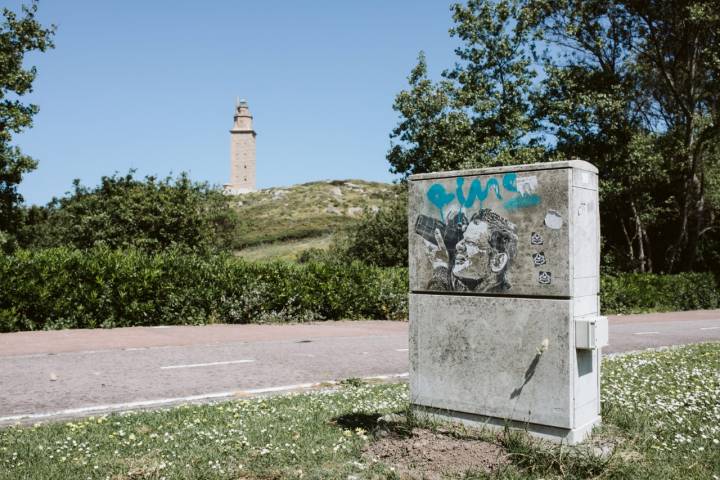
x=242, y=152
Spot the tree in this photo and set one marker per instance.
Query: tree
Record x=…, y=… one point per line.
x=381, y=238
x=18, y=36
x=149, y=214
x=632, y=87
x=479, y=113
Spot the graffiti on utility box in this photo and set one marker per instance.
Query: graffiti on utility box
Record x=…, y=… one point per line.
x=482, y=234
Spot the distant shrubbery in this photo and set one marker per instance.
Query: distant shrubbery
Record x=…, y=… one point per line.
x=379, y=238
x=100, y=287
x=646, y=292
x=123, y=211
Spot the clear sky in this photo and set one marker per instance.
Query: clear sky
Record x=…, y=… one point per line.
x=151, y=85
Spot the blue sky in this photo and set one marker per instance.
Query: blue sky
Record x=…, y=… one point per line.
x=152, y=86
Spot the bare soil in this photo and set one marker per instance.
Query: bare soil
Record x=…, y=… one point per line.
x=430, y=455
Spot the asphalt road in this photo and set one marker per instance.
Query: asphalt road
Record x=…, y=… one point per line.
x=59, y=374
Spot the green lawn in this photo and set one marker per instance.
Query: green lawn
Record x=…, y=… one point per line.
x=661, y=412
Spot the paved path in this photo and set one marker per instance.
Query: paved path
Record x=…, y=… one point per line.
x=638, y=332
x=47, y=375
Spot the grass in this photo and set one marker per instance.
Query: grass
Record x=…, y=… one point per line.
x=284, y=250
x=660, y=410
x=309, y=210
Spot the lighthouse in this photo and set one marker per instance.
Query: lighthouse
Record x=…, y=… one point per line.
x=242, y=151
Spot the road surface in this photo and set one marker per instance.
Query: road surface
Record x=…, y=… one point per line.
x=69, y=373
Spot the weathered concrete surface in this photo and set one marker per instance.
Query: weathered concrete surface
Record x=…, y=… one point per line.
x=503, y=261
x=484, y=355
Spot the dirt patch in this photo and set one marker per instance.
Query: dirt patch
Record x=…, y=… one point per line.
x=429, y=455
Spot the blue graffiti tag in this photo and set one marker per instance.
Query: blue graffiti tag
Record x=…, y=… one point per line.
x=509, y=180
x=476, y=191
x=523, y=201
x=441, y=198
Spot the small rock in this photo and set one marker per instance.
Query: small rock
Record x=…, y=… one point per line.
x=392, y=418
x=354, y=211
x=53, y=377
x=336, y=191
x=334, y=210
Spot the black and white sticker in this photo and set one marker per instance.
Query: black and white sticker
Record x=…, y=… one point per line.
x=544, y=278
x=538, y=258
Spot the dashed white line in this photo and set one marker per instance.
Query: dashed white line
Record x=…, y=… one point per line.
x=114, y=406
x=401, y=349
x=710, y=328
x=645, y=333
x=170, y=401
x=211, y=364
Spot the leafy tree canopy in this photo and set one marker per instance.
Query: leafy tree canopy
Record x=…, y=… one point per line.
x=19, y=35
x=124, y=211
x=632, y=87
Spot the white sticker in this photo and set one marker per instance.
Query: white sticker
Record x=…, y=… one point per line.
x=553, y=220
x=582, y=209
x=526, y=185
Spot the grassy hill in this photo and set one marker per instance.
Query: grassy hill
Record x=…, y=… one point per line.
x=282, y=222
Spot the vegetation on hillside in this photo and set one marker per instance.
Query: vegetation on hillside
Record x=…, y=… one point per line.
x=302, y=211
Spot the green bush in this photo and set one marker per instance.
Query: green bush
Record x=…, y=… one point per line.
x=123, y=211
x=100, y=287
x=381, y=238
x=646, y=292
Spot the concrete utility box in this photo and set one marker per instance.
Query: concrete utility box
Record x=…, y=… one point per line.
x=504, y=306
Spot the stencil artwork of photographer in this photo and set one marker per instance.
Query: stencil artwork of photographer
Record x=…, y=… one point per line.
x=470, y=256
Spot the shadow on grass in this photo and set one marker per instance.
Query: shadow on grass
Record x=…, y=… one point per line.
x=351, y=421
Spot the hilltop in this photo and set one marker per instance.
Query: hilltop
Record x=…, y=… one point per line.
x=281, y=222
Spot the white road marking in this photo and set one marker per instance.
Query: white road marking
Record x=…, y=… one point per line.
x=710, y=328
x=388, y=377
x=211, y=364
x=169, y=401
x=401, y=349
x=645, y=333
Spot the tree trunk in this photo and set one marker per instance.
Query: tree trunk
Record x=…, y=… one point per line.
x=639, y=234
x=631, y=252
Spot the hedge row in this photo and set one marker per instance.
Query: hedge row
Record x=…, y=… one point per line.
x=647, y=292
x=66, y=288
